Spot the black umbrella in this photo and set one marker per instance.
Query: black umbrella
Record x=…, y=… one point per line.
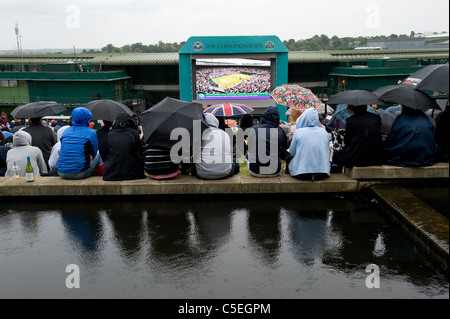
x=107, y=110
x=387, y=119
x=159, y=121
x=355, y=98
x=432, y=78
x=37, y=109
x=406, y=95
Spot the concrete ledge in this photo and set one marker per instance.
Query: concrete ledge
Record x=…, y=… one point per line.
x=426, y=227
x=239, y=184
x=439, y=170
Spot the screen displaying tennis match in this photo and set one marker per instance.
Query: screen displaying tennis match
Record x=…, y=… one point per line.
x=233, y=79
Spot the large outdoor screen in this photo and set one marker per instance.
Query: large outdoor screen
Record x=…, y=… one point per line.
x=233, y=78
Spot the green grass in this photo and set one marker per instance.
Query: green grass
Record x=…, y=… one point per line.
x=227, y=81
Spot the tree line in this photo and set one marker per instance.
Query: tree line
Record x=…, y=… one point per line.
x=316, y=43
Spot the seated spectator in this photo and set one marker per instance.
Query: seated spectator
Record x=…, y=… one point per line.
x=245, y=123
x=54, y=155
x=442, y=135
x=158, y=164
x=222, y=124
x=2, y=139
x=17, y=156
x=4, y=120
x=410, y=142
x=126, y=159
x=43, y=137
x=310, y=148
x=79, y=154
x=16, y=125
x=268, y=135
x=363, y=141
x=3, y=153
x=102, y=136
x=216, y=157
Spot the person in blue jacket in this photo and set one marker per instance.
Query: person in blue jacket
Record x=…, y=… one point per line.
x=79, y=147
x=310, y=147
x=410, y=142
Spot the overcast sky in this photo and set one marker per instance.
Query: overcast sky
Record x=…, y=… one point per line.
x=96, y=23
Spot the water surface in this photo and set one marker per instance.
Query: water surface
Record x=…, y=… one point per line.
x=282, y=249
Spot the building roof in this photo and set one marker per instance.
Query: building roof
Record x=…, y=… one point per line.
x=172, y=58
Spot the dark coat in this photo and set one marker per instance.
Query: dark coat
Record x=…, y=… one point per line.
x=43, y=138
x=410, y=142
x=125, y=160
x=363, y=141
x=103, y=145
x=442, y=135
x=269, y=120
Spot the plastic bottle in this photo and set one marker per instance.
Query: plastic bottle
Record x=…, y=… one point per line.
x=29, y=171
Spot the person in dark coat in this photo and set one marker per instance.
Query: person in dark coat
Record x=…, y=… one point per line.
x=261, y=136
x=42, y=136
x=102, y=136
x=3, y=152
x=410, y=142
x=442, y=135
x=125, y=160
x=363, y=139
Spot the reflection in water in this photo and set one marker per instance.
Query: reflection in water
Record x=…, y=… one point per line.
x=211, y=249
x=307, y=233
x=264, y=232
x=128, y=227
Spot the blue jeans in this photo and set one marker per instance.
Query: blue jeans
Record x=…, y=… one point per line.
x=83, y=174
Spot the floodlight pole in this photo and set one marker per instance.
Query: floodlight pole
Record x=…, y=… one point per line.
x=19, y=44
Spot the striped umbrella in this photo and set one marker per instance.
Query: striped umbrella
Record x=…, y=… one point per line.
x=228, y=109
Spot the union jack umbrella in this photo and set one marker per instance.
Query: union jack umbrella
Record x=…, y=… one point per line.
x=228, y=109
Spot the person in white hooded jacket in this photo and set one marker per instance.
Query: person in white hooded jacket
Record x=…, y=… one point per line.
x=216, y=156
x=17, y=156
x=310, y=148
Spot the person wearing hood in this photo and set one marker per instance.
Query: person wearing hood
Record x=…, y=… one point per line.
x=267, y=162
x=411, y=141
x=362, y=139
x=54, y=155
x=126, y=157
x=79, y=147
x=310, y=147
x=216, y=155
x=102, y=136
x=17, y=156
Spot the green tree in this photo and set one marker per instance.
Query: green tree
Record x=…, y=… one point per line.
x=110, y=49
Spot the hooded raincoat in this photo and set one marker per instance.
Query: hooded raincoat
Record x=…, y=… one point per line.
x=216, y=161
x=78, y=143
x=18, y=156
x=310, y=146
x=54, y=155
x=126, y=153
x=268, y=135
x=410, y=142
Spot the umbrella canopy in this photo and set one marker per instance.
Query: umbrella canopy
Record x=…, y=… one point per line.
x=159, y=121
x=107, y=110
x=387, y=119
x=295, y=96
x=432, y=78
x=406, y=95
x=355, y=97
x=228, y=109
x=37, y=109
